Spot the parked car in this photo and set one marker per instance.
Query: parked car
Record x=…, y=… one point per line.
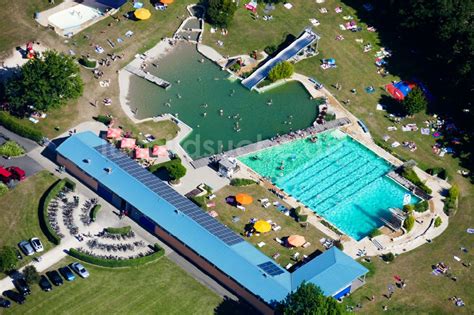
x=36, y=243
x=22, y=287
x=67, y=273
x=55, y=277
x=5, y=303
x=14, y=296
x=26, y=248
x=44, y=284
x=17, y=173
x=18, y=254
x=79, y=269
x=5, y=175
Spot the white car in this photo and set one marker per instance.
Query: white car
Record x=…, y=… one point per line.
x=36, y=243
x=79, y=269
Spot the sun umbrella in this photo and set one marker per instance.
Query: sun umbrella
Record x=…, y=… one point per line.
x=159, y=151
x=262, y=226
x=243, y=199
x=114, y=133
x=128, y=143
x=142, y=14
x=296, y=240
x=142, y=153
x=167, y=1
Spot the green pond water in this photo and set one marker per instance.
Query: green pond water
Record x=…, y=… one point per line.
x=222, y=113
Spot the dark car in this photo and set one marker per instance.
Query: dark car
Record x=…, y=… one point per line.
x=55, y=277
x=5, y=303
x=67, y=273
x=22, y=287
x=18, y=254
x=44, y=284
x=14, y=296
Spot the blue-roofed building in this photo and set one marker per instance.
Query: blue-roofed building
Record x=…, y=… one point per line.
x=216, y=249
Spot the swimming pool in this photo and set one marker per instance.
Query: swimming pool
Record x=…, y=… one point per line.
x=73, y=18
x=336, y=177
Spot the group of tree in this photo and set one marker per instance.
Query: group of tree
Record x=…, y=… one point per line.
x=220, y=12
x=44, y=83
x=282, y=70
x=308, y=299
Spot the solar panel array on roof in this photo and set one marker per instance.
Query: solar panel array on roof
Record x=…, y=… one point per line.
x=181, y=203
x=271, y=268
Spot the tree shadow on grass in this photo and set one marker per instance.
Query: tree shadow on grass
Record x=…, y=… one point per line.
x=231, y=307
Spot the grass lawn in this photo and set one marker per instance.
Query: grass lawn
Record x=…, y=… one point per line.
x=425, y=293
x=19, y=210
x=288, y=225
x=156, y=288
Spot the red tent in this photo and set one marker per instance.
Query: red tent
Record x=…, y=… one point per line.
x=142, y=153
x=128, y=143
x=159, y=151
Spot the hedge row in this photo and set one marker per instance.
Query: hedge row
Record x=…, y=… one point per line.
x=95, y=211
x=120, y=230
x=451, y=200
x=412, y=177
x=117, y=263
x=15, y=125
x=241, y=182
x=53, y=191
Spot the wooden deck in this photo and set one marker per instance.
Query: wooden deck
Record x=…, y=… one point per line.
x=148, y=76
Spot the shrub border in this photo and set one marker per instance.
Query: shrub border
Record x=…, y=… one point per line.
x=124, y=230
x=94, y=211
x=52, y=192
x=116, y=263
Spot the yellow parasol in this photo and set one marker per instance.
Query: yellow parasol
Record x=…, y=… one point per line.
x=243, y=199
x=296, y=240
x=262, y=226
x=142, y=14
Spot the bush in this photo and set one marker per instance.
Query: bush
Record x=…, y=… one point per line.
x=8, y=258
x=375, y=232
x=451, y=200
x=95, y=211
x=302, y=218
x=16, y=125
x=11, y=148
x=415, y=102
x=88, y=63
x=235, y=67
x=31, y=274
x=270, y=49
x=438, y=171
x=117, y=263
x=409, y=223
x=242, y=182
x=408, y=208
x=120, y=230
x=282, y=70
x=3, y=189
x=200, y=201
x=297, y=211
x=174, y=168
x=52, y=192
x=388, y=257
x=438, y=222
x=410, y=174
x=106, y=120
x=339, y=244
x=421, y=206
x=69, y=184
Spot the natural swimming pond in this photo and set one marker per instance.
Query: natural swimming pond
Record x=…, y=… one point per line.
x=336, y=177
x=222, y=113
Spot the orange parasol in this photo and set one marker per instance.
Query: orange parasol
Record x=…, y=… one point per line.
x=262, y=226
x=296, y=240
x=243, y=199
x=167, y=1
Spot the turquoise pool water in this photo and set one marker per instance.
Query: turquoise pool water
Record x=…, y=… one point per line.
x=336, y=177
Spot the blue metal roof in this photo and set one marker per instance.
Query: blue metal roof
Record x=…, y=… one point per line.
x=331, y=270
